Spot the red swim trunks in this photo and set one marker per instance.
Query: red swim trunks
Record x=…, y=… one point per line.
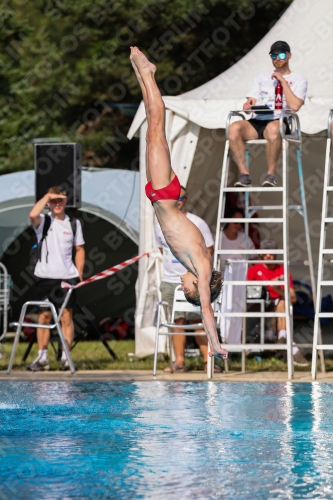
x=170, y=192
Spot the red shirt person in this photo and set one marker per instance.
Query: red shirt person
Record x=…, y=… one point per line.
x=270, y=272
x=274, y=272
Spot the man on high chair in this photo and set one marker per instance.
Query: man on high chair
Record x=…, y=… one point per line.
x=265, y=125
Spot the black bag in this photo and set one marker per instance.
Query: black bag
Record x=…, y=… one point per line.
x=36, y=250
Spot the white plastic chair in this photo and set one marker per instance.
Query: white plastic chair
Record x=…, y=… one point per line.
x=180, y=304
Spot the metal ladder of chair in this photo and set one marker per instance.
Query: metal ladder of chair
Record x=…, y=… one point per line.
x=325, y=221
x=296, y=138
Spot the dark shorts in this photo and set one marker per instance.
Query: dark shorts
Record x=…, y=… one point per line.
x=51, y=291
x=260, y=125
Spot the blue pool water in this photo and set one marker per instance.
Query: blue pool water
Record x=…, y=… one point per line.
x=159, y=440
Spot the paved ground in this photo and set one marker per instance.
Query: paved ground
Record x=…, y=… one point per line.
x=146, y=375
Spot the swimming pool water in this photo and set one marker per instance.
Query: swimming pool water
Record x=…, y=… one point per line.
x=160, y=440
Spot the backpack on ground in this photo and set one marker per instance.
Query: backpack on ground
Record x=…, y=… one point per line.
x=36, y=250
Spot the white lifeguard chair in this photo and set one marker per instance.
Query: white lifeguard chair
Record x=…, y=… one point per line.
x=284, y=207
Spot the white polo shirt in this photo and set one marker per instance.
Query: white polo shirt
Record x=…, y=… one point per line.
x=172, y=268
x=58, y=244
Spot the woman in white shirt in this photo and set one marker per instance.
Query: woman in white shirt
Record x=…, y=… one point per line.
x=233, y=296
x=233, y=237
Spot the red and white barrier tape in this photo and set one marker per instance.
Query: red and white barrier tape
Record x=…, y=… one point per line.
x=107, y=272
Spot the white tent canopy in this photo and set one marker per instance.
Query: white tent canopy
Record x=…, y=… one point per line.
x=193, y=127
x=307, y=25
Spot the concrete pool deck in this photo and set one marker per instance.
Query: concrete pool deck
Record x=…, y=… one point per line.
x=146, y=376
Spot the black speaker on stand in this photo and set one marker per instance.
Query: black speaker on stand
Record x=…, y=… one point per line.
x=59, y=164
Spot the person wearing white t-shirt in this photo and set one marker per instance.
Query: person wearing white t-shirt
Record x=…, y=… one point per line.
x=172, y=270
x=233, y=297
x=233, y=238
x=55, y=264
x=266, y=125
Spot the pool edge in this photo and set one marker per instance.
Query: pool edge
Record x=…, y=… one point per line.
x=146, y=376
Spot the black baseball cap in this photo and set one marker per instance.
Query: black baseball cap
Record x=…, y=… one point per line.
x=279, y=47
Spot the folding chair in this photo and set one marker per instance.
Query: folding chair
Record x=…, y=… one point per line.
x=56, y=324
x=180, y=304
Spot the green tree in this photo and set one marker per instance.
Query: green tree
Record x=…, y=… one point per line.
x=64, y=62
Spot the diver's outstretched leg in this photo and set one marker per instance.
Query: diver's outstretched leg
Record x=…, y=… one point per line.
x=145, y=101
x=158, y=155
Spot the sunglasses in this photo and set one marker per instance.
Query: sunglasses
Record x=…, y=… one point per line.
x=281, y=55
x=182, y=198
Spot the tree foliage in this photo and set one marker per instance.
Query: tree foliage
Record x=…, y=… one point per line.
x=63, y=62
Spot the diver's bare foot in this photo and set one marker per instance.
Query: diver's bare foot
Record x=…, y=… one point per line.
x=141, y=62
x=137, y=72
x=219, y=354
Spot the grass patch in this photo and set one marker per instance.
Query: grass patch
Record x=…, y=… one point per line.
x=92, y=355
x=87, y=355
